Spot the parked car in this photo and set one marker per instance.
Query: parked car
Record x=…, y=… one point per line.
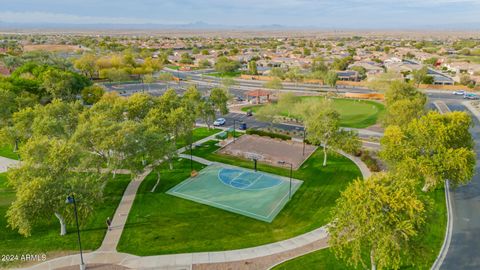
x=459, y=92
x=239, y=98
x=470, y=96
x=219, y=122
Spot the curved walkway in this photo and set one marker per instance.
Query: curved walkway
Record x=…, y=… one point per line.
x=260, y=257
x=6, y=163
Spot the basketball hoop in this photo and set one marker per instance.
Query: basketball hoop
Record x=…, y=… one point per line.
x=253, y=156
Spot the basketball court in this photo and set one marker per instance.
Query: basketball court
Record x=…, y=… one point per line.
x=271, y=151
x=254, y=194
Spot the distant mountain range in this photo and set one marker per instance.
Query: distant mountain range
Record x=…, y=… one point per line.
x=194, y=25
x=203, y=25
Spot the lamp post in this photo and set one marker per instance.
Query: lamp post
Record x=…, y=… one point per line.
x=282, y=162
x=304, y=136
x=234, y=121
x=190, y=138
x=71, y=200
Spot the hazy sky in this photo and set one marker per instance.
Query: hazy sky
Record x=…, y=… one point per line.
x=318, y=13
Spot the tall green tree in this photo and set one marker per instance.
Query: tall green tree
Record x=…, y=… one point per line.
x=318, y=65
x=323, y=128
x=252, y=67
x=331, y=78
x=402, y=112
x=294, y=75
x=219, y=98
x=43, y=181
x=267, y=113
x=224, y=64
x=403, y=103
x=286, y=103
x=61, y=84
x=92, y=94
x=228, y=83
x=8, y=106
x=206, y=111
x=86, y=64
x=433, y=148
x=420, y=75
x=399, y=90
x=380, y=216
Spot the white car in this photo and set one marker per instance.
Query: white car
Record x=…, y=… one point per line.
x=219, y=122
x=471, y=96
x=459, y=92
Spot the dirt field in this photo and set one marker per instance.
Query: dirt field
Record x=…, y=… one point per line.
x=52, y=48
x=270, y=150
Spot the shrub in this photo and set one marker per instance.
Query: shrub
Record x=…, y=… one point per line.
x=268, y=134
x=371, y=162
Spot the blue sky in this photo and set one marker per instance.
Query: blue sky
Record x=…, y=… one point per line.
x=318, y=13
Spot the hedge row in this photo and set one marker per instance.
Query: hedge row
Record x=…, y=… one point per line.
x=268, y=134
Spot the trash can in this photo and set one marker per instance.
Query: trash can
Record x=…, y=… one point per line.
x=243, y=126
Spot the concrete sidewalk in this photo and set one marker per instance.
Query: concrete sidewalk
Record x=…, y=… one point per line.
x=285, y=249
x=6, y=163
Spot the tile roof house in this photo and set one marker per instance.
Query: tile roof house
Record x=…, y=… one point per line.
x=370, y=66
x=348, y=75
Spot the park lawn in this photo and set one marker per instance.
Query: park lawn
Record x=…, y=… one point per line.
x=7, y=151
x=230, y=74
x=431, y=239
x=353, y=113
x=164, y=224
x=198, y=134
x=45, y=237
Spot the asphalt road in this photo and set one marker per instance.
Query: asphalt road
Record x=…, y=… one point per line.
x=464, y=250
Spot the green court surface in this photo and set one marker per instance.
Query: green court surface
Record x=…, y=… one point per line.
x=258, y=195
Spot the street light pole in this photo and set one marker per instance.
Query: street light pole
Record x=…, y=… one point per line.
x=191, y=156
x=234, y=121
x=282, y=162
x=290, y=189
x=304, y=136
x=191, y=151
x=70, y=200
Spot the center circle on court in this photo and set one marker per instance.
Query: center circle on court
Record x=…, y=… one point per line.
x=247, y=180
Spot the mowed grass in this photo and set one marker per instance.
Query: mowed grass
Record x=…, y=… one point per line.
x=353, y=113
x=163, y=224
x=431, y=241
x=7, y=151
x=45, y=238
x=198, y=134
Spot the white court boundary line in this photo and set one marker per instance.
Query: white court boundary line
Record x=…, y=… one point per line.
x=212, y=203
x=174, y=191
